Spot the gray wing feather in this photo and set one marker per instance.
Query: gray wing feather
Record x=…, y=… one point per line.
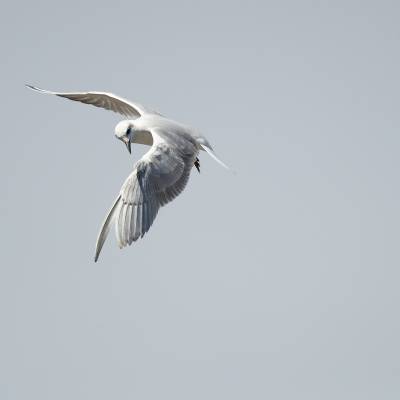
x=106, y=228
x=159, y=177
x=108, y=101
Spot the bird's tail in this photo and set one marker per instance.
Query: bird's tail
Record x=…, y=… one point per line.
x=205, y=145
x=105, y=228
x=212, y=154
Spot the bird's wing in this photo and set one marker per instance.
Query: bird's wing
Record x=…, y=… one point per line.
x=108, y=101
x=159, y=177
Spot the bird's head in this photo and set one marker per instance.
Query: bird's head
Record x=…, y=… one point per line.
x=124, y=131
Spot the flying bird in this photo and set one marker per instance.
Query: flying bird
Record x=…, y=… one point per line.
x=158, y=177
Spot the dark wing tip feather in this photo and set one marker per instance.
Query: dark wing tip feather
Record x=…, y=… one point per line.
x=37, y=89
x=33, y=88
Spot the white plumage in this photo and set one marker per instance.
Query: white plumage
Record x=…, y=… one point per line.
x=158, y=177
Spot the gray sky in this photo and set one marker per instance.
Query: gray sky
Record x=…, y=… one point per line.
x=280, y=282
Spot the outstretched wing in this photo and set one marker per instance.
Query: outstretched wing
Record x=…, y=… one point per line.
x=107, y=101
x=159, y=177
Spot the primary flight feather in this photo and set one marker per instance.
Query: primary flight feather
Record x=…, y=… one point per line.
x=158, y=177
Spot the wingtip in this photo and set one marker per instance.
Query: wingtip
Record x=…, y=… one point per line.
x=97, y=252
x=36, y=89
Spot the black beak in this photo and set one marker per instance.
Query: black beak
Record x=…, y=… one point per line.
x=128, y=146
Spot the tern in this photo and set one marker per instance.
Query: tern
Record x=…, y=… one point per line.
x=158, y=177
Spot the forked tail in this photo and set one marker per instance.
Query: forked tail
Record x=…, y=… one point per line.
x=207, y=147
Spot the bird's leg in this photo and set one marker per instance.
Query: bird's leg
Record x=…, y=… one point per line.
x=197, y=164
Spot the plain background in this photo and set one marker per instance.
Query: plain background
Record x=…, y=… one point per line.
x=279, y=282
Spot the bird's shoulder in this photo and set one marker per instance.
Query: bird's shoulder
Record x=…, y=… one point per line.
x=171, y=139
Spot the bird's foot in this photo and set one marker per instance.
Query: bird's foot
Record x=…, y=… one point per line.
x=197, y=164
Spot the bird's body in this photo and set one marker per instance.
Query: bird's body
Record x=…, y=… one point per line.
x=158, y=177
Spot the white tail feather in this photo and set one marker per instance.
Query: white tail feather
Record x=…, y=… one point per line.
x=212, y=154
